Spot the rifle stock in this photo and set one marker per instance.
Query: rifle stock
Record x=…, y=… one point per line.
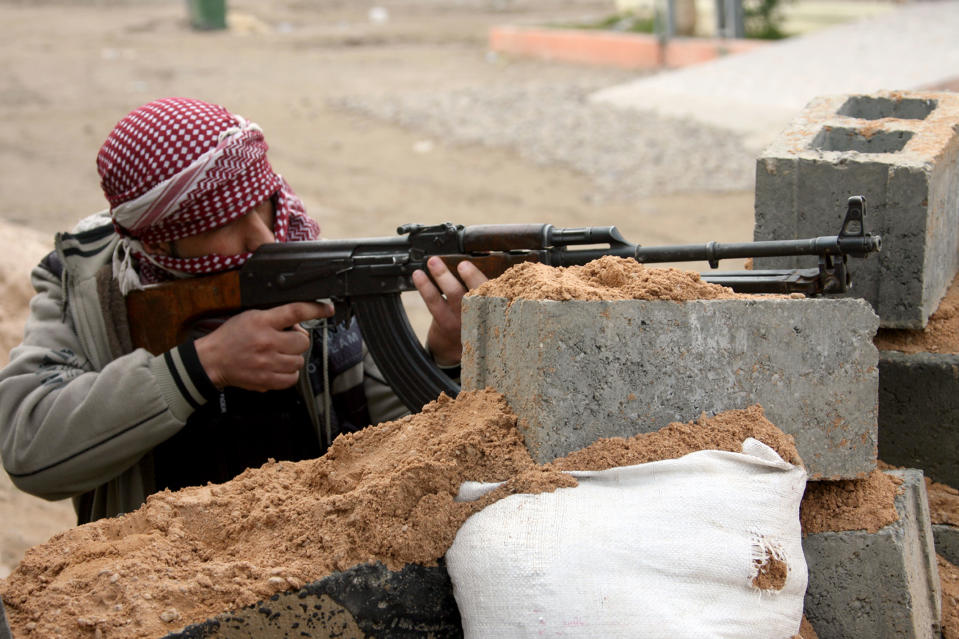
x=365, y=277
x=160, y=313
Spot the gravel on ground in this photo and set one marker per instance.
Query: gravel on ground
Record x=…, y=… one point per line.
x=628, y=154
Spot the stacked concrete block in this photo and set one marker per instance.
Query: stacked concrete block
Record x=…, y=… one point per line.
x=577, y=371
x=947, y=542
x=900, y=151
x=919, y=412
x=877, y=585
x=919, y=423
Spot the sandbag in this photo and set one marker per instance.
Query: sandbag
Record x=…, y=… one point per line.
x=667, y=549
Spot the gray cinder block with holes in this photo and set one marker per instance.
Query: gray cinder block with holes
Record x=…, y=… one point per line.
x=919, y=412
x=900, y=151
x=577, y=371
x=866, y=585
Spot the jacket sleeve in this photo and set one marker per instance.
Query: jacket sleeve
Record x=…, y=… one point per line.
x=66, y=428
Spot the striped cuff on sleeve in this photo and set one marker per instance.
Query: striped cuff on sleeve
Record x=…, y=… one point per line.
x=182, y=379
x=453, y=372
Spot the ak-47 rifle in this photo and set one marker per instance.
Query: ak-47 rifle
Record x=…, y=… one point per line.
x=365, y=277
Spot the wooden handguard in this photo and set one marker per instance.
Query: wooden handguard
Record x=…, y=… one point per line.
x=504, y=237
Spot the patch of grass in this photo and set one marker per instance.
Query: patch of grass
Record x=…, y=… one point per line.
x=762, y=19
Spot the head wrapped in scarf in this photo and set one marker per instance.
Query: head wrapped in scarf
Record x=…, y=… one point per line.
x=177, y=167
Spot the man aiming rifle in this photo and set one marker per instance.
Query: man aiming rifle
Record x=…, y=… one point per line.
x=83, y=414
x=166, y=344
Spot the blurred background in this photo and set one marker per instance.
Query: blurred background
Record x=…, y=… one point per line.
x=383, y=113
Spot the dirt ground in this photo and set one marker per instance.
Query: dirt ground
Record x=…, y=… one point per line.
x=71, y=69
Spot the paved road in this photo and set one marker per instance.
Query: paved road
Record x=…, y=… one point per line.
x=758, y=92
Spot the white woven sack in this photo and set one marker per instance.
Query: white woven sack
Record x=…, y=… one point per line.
x=665, y=549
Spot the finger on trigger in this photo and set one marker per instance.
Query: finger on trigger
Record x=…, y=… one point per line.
x=295, y=312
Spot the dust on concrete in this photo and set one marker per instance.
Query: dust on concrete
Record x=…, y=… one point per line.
x=869, y=504
x=73, y=69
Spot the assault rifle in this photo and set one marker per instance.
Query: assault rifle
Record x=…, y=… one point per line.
x=364, y=278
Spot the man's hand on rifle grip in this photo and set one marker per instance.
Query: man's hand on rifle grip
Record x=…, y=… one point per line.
x=256, y=351
x=444, y=299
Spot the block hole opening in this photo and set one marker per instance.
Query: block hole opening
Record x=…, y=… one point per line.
x=843, y=139
x=870, y=108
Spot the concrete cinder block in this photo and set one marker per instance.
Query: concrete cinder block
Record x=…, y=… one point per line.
x=880, y=585
x=947, y=542
x=577, y=371
x=900, y=151
x=919, y=412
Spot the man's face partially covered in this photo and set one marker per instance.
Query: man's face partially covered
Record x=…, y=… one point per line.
x=243, y=235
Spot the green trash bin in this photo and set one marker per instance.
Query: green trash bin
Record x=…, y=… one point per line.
x=207, y=15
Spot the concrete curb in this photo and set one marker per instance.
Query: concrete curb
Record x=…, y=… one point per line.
x=623, y=50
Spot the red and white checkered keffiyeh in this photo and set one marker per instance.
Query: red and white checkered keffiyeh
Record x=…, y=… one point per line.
x=177, y=167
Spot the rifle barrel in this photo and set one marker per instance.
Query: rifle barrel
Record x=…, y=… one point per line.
x=714, y=251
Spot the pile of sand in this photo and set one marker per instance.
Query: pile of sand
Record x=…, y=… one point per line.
x=725, y=431
x=852, y=504
x=608, y=278
x=941, y=334
x=383, y=494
